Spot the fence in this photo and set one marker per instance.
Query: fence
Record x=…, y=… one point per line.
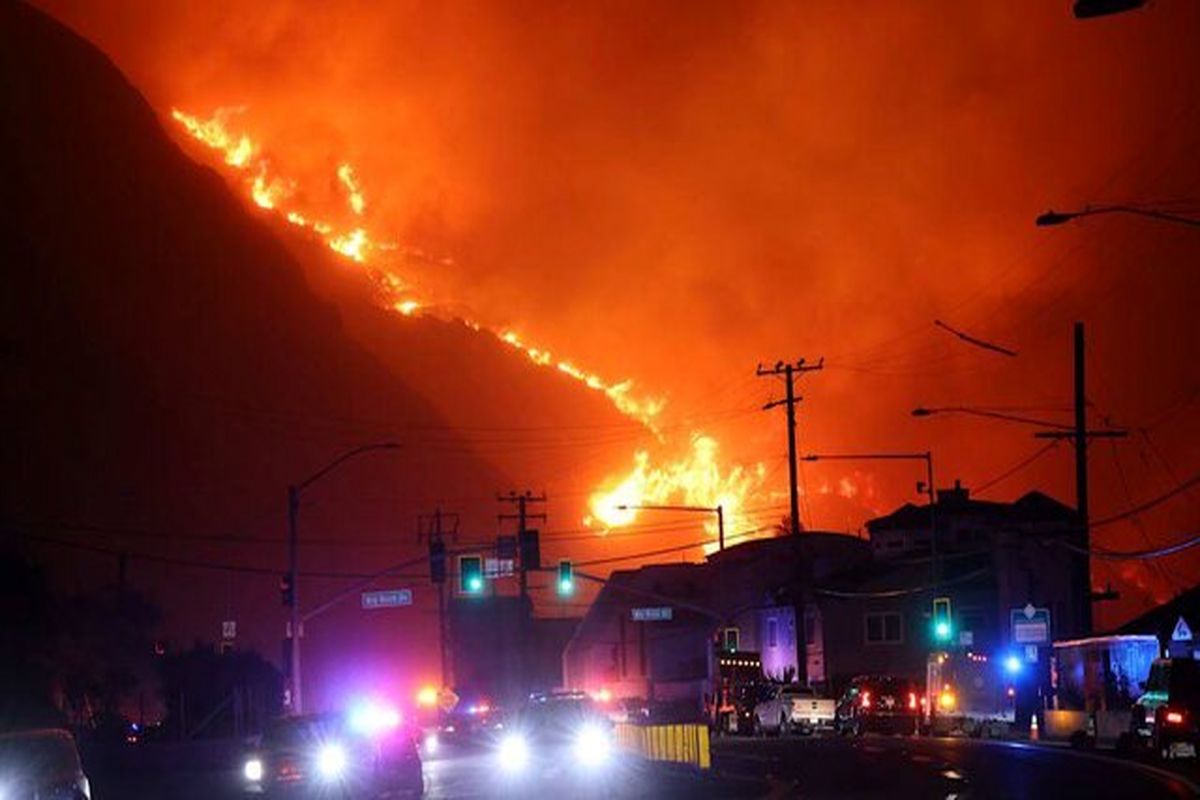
x=680, y=744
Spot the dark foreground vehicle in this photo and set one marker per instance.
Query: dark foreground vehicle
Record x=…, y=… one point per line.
x=324, y=756
x=564, y=734
x=41, y=765
x=879, y=703
x=1167, y=717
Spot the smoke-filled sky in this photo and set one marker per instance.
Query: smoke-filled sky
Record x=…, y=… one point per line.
x=673, y=192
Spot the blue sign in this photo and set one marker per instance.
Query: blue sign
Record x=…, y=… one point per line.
x=388, y=598
x=653, y=614
x=1030, y=625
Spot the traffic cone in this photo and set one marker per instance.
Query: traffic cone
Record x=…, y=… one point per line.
x=1033, y=728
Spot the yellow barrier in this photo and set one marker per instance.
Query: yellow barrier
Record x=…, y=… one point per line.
x=680, y=744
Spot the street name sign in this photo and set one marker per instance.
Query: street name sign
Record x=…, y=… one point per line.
x=654, y=614
x=387, y=598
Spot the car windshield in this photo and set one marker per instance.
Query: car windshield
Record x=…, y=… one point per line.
x=302, y=731
x=42, y=753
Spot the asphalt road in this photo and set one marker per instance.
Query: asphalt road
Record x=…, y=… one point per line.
x=920, y=767
x=816, y=767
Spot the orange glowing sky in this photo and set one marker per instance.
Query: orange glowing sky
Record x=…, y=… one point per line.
x=672, y=193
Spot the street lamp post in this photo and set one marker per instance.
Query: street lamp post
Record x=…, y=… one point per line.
x=719, y=510
x=293, y=493
x=1052, y=218
x=922, y=411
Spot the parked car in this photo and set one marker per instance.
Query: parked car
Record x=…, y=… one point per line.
x=880, y=703
x=1166, y=718
x=793, y=707
x=41, y=764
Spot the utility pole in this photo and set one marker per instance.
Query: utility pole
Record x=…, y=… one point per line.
x=429, y=527
x=789, y=372
x=293, y=502
x=522, y=501
x=1079, y=436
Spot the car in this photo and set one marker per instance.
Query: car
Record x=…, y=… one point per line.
x=879, y=703
x=793, y=707
x=41, y=765
x=560, y=732
x=356, y=755
x=1166, y=718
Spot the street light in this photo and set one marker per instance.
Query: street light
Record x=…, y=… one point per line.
x=718, y=510
x=294, y=492
x=1052, y=218
x=922, y=411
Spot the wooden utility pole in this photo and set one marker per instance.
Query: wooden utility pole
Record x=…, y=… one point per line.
x=1079, y=435
x=789, y=372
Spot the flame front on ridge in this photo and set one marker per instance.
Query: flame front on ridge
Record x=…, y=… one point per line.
x=694, y=479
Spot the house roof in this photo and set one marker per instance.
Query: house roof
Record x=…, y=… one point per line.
x=1033, y=506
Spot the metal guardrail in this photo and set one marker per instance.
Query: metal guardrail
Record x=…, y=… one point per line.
x=680, y=744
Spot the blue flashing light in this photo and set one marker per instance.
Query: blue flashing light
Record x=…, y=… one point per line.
x=1012, y=664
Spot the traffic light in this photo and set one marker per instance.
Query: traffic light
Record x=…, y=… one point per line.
x=566, y=578
x=470, y=570
x=437, y=561
x=286, y=596
x=531, y=555
x=943, y=624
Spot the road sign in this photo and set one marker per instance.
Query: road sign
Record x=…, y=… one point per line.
x=1030, y=625
x=229, y=629
x=1182, y=632
x=387, y=598
x=654, y=614
x=1031, y=653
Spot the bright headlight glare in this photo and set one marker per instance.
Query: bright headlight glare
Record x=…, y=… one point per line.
x=514, y=752
x=331, y=761
x=252, y=770
x=431, y=743
x=592, y=745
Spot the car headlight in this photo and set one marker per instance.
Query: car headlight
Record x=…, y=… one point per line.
x=252, y=770
x=514, y=752
x=331, y=761
x=431, y=743
x=592, y=745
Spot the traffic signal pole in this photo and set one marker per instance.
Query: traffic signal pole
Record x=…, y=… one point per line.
x=522, y=518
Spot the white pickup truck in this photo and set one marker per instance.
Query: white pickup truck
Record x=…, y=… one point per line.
x=792, y=707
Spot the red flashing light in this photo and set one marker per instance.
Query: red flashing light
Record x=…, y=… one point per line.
x=1174, y=718
x=866, y=699
x=912, y=700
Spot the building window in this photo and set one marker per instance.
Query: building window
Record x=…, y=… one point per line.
x=772, y=632
x=884, y=628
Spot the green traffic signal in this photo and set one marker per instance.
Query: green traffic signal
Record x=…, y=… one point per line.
x=566, y=578
x=471, y=569
x=943, y=625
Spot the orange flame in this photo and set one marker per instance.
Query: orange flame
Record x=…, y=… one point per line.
x=694, y=479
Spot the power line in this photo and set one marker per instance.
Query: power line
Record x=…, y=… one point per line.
x=1136, y=555
x=1015, y=468
x=1149, y=504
